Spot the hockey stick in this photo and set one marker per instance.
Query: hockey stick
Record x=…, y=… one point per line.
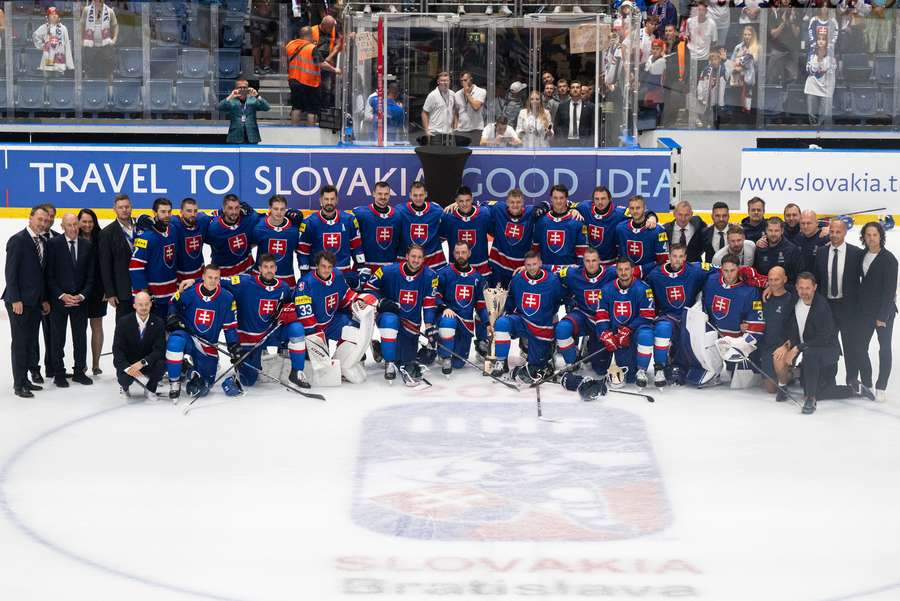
x=572, y=367
x=311, y=395
x=854, y=212
x=473, y=364
x=649, y=398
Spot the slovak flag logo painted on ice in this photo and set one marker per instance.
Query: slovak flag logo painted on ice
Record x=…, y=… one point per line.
x=622, y=310
x=408, y=299
x=384, y=235
x=464, y=294
x=267, y=307
x=238, y=244
x=169, y=254
x=595, y=234
x=418, y=232
x=531, y=303
x=193, y=245
x=331, y=303
x=514, y=232
x=720, y=306
x=556, y=240
x=203, y=319
x=277, y=247
x=675, y=295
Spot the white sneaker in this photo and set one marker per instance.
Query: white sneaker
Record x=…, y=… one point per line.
x=460, y=10
x=392, y=9
x=881, y=395
x=367, y=9
x=557, y=10
x=504, y=10
x=577, y=9
x=489, y=10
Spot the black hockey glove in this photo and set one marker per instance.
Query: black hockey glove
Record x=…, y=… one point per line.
x=387, y=305
x=432, y=334
x=174, y=323
x=295, y=216
x=144, y=222
x=246, y=209
x=234, y=349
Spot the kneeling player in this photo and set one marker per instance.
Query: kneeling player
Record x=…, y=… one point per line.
x=624, y=325
x=330, y=310
x=262, y=299
x=460, y=295
x=196, y=317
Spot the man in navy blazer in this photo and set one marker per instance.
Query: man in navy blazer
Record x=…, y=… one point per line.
x=70, y=280
x=24, y=295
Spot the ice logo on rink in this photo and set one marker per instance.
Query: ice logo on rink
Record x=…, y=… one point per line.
x=487, y=471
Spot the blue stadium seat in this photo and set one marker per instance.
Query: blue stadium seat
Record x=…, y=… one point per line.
x=131, y=63
x=840, y=103
x=126, y=96
x=161, y=95
x=169, y=32
x=233, y=33
x=884, y=69
x=21, y=30
x=864, y=101
x=190, y=96
x=794, y=106
x=29, y=61
x=163, y=62
x=229, y=63
x=30, y=94
x=164, y=53
x=194, y=63
x=856, y=67
x=61, y=94
x=94, y=95
x=165, y=9
x=225, y=87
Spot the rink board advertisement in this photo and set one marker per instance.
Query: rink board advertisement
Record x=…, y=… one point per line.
x=827, y=181
x=91, y=175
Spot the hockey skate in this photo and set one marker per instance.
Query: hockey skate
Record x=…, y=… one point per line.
x=298, y=378
x=659, y=375
x=641, y=378
x=390, y=371
x=447, y=366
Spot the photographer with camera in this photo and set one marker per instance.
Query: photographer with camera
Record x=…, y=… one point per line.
x=241, y=107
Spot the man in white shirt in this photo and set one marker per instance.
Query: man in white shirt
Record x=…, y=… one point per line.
x=738, y=245
x=437, y=113
x=499, y=133
x=469, y=107
x=701, y=34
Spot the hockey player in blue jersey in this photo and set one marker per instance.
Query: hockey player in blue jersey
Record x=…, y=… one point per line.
x=534, y=298
x=420, y=223
x=328, y=309
x=625, y=322
x=334, y=231
x=379, y=228
x=278, y=235
x=229, y=236
x=460, y=298
x=601, y=217
x=469, y=224
x=152, y=265
x=644, y=247
x=190, y=227
x=582, y=285
x=262, y=299
x=558, y=236
x=512, y=227
x=197, y=316
x=406, y=306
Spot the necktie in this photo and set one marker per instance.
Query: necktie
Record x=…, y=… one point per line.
x=39, y=245
x=683, y=236
x=834, y=274
x=721, y=240
x=72, y=252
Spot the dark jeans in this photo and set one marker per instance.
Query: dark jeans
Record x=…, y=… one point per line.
x=23, y=330
x=60, y=317
x=864, y=332
x=153, y=372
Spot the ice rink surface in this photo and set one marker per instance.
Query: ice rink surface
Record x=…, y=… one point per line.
x=456, y=492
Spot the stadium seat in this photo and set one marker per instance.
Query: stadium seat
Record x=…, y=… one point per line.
x=131, y=63
x=94, y=95
x=61, y=94
x=840, y=103
x=794, y=105
x=22, y=30
x=126, y=96
x=160, y=95
x=856, y=67
x=229, y=63
x=169, y=32
x=29, y=61
x=225, y=87
x=194, y=63
x=190, y=96
x=30, y=94
x=161, y=10
x=864, y=101
x=163, y=62
x=773, y=100
x=884, y=69
x=236, y=7
x=233, y=33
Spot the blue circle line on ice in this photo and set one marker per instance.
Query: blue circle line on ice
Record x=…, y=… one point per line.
x=19, y=523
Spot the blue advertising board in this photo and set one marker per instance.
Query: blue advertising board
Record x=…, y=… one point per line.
x=90, y=175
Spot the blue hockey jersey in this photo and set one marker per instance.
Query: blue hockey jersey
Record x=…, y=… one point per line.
x=189, y=252
x=644, y=247
x=673, y=291
x=584, y=290
x=463, y=293
x=152, y=265
x=317, y=301
x=422, y=228
x=537, y=301
x=560, y=240
x=280, y=241
x=256, y=304
x=472, y=229
x=205, y=317
x=339, y=235
x=231, y=243
x=601, y=229
x=631, y=307
x=512, y=239
x=727, y=307
x=380, y=235
x=414, y=293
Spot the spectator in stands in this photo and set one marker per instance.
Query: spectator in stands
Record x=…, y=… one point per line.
x=701, y=34
x=714, y=236
x=783, y=43
x=305, y=77
x=754, y=223
x=2, y=27
x=329, y=42
x=547, y=77
x=822, y=24
x=667, y=14
x=89, y=228
x=879, y=26
x=395, y=114
x=648, y=34
x=438, y=110
x=241, y=106
x=720, y=14
x=741, y=74
x=533, y=125
x=652, y=94
x=821, y=68
x=550, y=103
x=711, y=87
x=574, y=124
x=263, y=31
x=677, y=75
x=750, y=10
x=562, y=90
x=738, y=245
x=469, y=108
x=515, y=101
x=52, y=39
x=499, y=133
x=587, y=93
x=100, y=34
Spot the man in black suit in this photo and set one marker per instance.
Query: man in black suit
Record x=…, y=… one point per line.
x=70, y=280
x=688, y=229
x=116, y=245
x=25, y=295
x=715, y=236
x=839, y=271
x=139, y=347
x=574, y=123
x=877, y=308
x=811, y=331
x=34, y=354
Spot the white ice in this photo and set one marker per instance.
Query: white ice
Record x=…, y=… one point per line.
x=456, y=492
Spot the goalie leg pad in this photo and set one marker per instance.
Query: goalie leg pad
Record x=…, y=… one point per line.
x=355, y=339
x=321, y=370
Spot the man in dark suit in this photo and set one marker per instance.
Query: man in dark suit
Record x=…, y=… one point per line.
x=811, y=331
x=116, y=245
x=688, y=229
x=70, y=280
x=25, y=295
x=574, y=123
x=839, y=272
x=139, y=347
x=34, y=354
x=715, y=236
x=877, y=308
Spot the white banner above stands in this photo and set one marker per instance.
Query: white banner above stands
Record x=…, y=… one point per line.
x=827, y=181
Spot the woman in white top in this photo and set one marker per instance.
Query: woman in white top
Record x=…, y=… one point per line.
x=52, y=38
x=533, y=125
x=820, y=84
x=740, y=71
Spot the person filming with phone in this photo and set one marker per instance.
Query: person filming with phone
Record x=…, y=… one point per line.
x=241, y=107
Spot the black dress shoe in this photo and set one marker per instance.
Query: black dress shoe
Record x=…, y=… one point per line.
x=809, y=406
x=29, y=386
x=61, y=382
x=97, y=371
x=81, y=378
x=24, y=393
x=36, y=377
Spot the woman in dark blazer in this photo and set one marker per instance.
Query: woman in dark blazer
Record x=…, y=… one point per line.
x=96, y=304
x=877, y=306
